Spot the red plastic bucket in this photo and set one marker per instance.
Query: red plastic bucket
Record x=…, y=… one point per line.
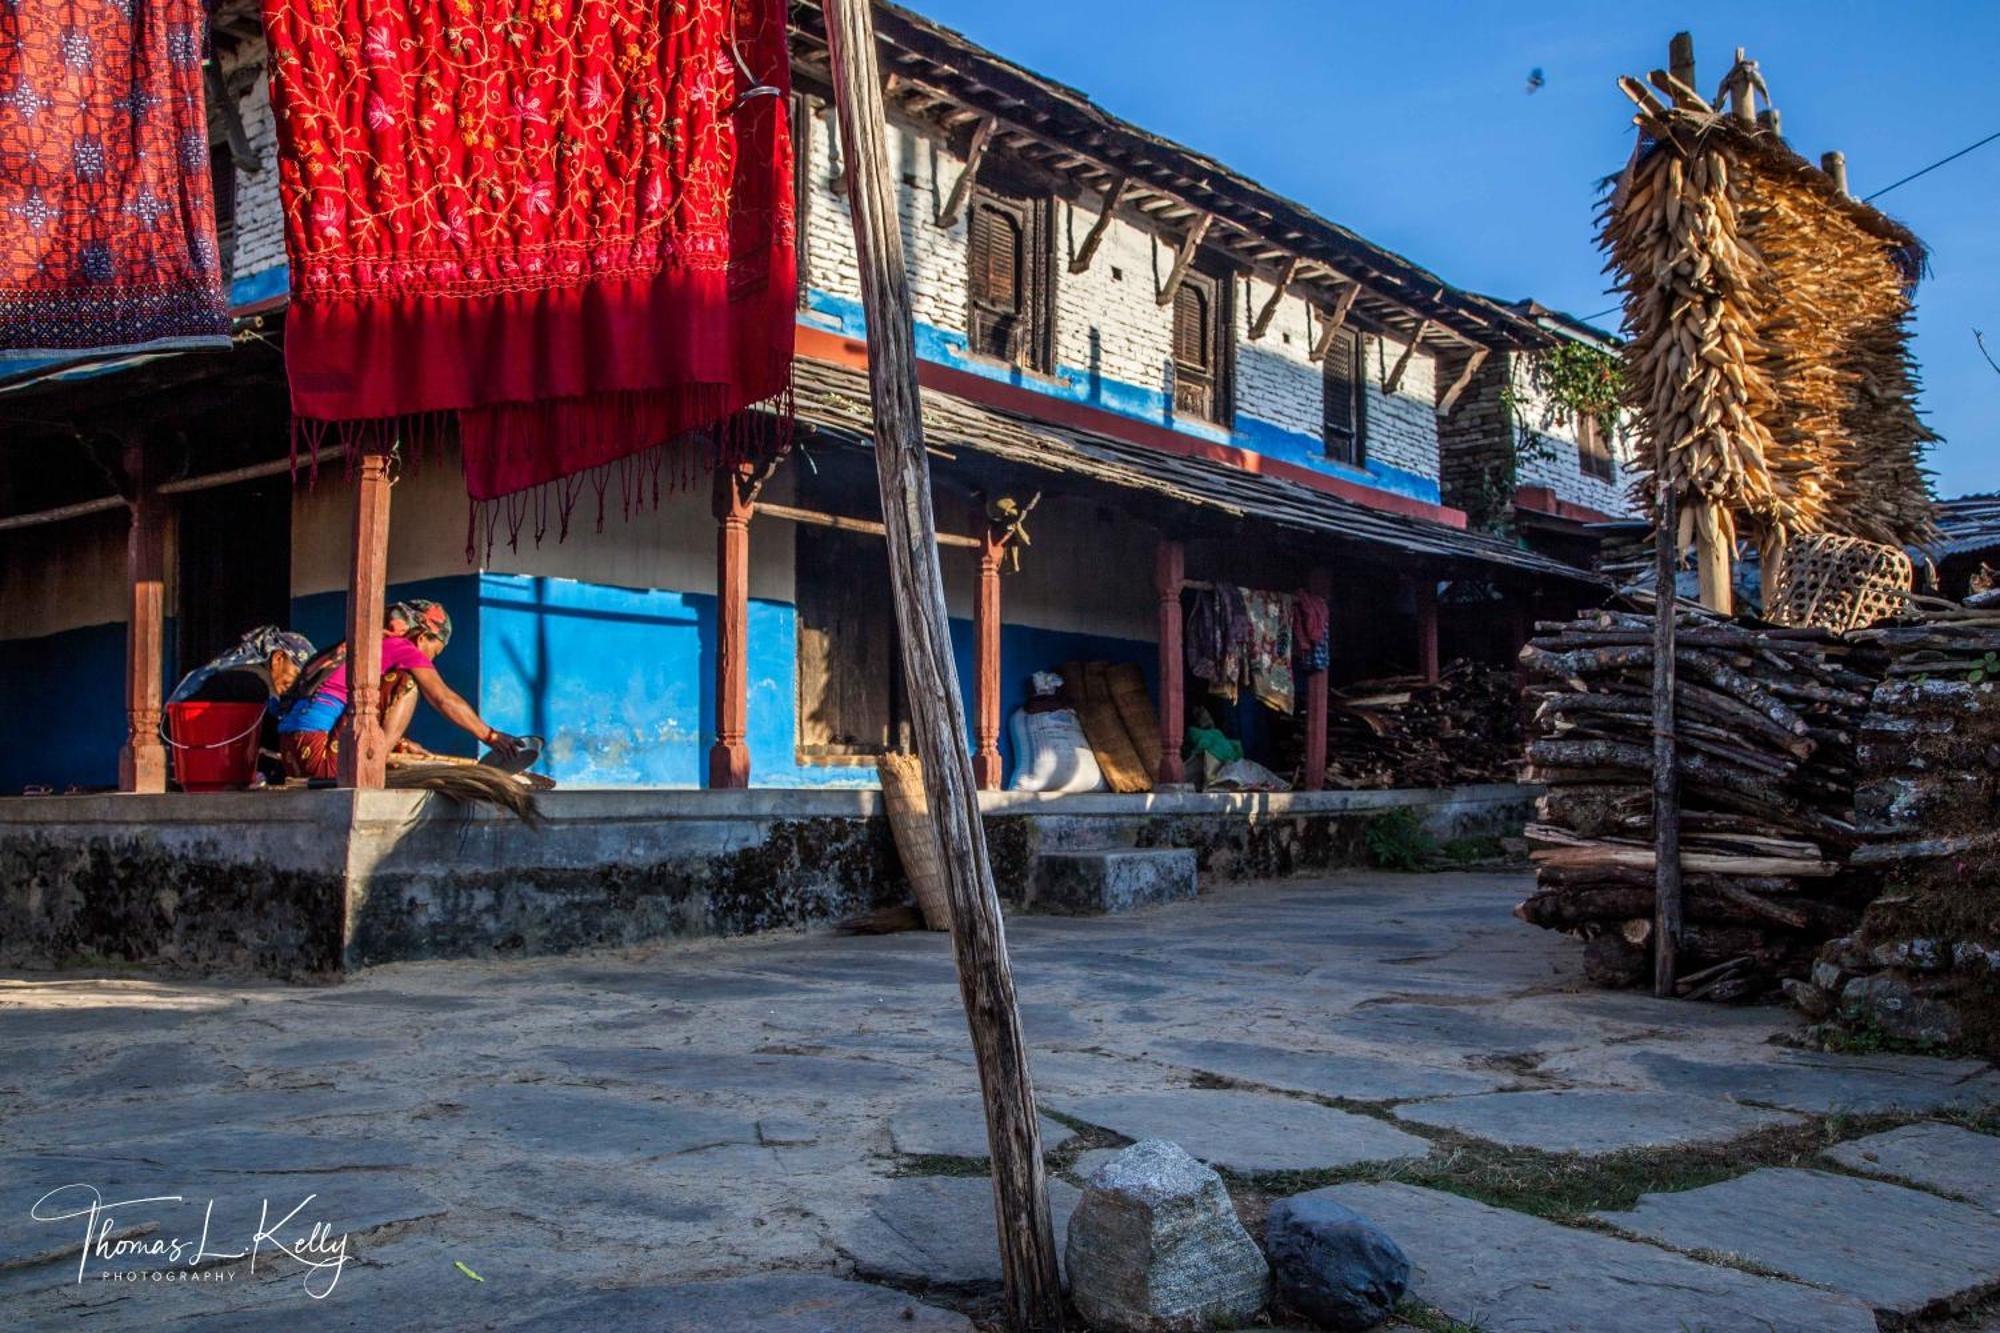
x=214, y=745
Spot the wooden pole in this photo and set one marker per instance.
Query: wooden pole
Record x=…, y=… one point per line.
x=142, y=763
x=1034, y=1299
x=1666, y=770
x=364, y=749
x=729, y=757
x=1834, y=163
x=1712, y=557
x=1320, y=584
x=986, y=657
x=1427, y=628
x=1680, y=57
x=1169, y=576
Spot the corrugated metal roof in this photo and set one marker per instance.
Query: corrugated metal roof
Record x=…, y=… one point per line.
x=1965, y=525
x=836, y=398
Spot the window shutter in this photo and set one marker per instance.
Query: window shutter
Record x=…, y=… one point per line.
x=1342, y=398
x=994, y=240
x=1593, y=451
x=1194, y=350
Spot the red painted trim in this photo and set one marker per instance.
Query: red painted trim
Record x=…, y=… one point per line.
x=840, y=350
x=986, y=678
x=1544, y=500
x=729, y=757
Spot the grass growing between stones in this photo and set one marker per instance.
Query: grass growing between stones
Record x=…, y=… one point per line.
x=1415, y=1314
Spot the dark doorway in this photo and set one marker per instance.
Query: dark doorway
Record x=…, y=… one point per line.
x=235, y=570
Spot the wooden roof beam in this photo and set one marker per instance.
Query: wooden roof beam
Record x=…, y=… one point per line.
x=1262, y=323
x=1458, y=386
x=1080, y=262
x=961, y=189
x=1330, y=323
x=1395, y=380
x=1183, y=261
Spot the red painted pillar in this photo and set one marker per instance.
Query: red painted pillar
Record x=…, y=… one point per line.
x=1169, y=572
x=364, y=749
x=1320, y=583
x=142, y=763
x=1427, y=627
x=729, y=757
x=986, y=679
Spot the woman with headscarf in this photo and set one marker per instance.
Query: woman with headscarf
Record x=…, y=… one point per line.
x=417, y=631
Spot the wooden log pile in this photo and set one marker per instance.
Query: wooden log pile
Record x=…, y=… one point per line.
x=1402, y=731
x=1766, y=722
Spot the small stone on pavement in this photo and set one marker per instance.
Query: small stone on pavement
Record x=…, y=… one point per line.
x=1332, y=1265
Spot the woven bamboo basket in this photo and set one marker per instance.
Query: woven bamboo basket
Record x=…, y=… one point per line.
x=909, y=811
x=1824, y=581
x=1124, y=769
x=1127, y=685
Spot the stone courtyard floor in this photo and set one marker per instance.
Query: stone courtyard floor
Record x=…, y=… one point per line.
x=782, y=1132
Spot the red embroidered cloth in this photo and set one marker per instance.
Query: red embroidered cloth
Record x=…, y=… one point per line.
x=107, y=220
x=553, y=217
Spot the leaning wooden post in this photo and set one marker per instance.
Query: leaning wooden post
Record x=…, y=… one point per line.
x=1034, y=1299
x=1169, y=574
x=729, y=757
x=142, y=763
x=986, y=663
x=364, y=749
x=1427, y=628
x=1666, y=762
x=1320, y=584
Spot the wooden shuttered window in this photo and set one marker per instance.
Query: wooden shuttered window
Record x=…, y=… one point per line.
x=1008, y=280
x=1593, y=447
x=1201, y=354
x=1344, y=400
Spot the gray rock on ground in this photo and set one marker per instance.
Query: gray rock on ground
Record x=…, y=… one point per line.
x=1155, y=1247
x=1332, y=1265
x=1944, y=1158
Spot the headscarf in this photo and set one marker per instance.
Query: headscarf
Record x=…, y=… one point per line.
x=420, y=615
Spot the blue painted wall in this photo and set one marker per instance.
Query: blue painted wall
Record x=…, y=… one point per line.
x=1140, y=402
x=322, y=617
x=62, y=707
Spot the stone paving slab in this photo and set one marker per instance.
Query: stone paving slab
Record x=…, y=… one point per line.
x=1361, y=1078
x=1824, y=1083
x=1900, y=1250
x=956, y=1127
x=937, y=1230
x=728, y=1071
x=1506, y=1272
x=1247, y=1131
x=761, y=1303
x=1594, y=1121
x=1945, y=1158
x=89, y=1127
x=1469, y=1028
x=584, y=1122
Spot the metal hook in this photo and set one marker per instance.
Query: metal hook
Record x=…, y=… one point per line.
x=755, y=89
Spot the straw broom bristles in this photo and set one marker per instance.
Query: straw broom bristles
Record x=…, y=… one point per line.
x=470, y=784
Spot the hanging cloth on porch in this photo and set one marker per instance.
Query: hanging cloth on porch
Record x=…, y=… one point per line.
x=569, y=222
x=1267, y=652
x=107, y=217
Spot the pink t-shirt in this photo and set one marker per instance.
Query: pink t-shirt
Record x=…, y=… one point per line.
x=398, y=654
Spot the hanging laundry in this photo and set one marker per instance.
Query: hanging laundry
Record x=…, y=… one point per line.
x=570, y=223
x=1267, y=650
x=1233, y=671
x=107, y=215
x=1311, y=648
x=1207, y=635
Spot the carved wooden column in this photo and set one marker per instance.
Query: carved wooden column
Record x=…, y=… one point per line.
x=1427, y=626
x=729, y=757
x=986, y=666
x=1320, y=584
x=1169, y=571
x=142, y=763
x=364, y=749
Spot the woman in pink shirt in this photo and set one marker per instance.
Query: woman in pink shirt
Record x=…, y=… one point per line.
x=418, y=630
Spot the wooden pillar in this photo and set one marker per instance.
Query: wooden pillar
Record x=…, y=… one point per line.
x=142, y=763
x=1320, y=584
x=1169, y=572
x=1029, y=1274
x=1427, y=627
x=729, y=757
x=986, y=655
x=1713, y=557
x=364, y=749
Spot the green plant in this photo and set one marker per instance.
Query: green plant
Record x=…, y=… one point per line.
x=1987, y=667
x=1576, y=379
x=1397, y=841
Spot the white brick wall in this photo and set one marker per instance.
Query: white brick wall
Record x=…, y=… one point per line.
x=1560, y=470
x=1402, y=427
x=260, y=223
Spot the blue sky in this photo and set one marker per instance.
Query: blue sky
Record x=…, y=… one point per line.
x=1409, y=123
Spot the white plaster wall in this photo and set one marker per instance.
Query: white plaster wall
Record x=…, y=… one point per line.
x=1402, y=427
x=1109, y=322
x=427, y=518
x=1276, y=378
x=1561, y=471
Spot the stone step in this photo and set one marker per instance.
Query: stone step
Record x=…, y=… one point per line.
x=1089, y=883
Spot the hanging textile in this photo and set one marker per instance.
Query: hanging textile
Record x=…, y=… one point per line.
x=107, y=216
x=563, y=221
x=1311, y=647
x=1267, y=651
x=1206, y=635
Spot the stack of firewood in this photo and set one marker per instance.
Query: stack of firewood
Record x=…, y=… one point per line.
x=1402, y=731
x=1765, y=721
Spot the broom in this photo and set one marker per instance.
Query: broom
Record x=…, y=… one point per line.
x=469, y=784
